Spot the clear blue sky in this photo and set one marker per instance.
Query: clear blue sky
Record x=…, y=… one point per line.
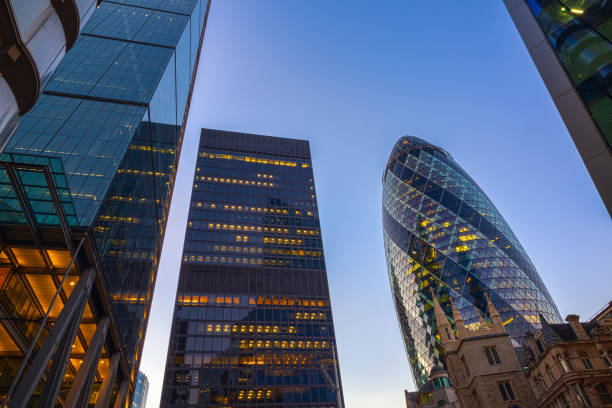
x=354, y=76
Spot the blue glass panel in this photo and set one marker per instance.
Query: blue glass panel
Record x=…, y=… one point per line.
x=84, y=65
x=162, y=28
x=127, y=78
x=174, y=6
x=89, y=139
x=442, y=232
x=183, y=73
x=117, y=21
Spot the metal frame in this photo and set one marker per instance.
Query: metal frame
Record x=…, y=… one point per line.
x=57, y=346
x=590, y=142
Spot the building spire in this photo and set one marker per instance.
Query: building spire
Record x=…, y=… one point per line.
x=481, y=319
x=442, y=324
x=459, y=322
x=493, y=313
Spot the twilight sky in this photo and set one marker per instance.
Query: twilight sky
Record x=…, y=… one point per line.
x=352, y=77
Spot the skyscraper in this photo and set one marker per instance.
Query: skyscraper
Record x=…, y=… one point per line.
x=140, y=391
x=571, y=44
x=85, y=186
x=441, y=231
x=252, y=323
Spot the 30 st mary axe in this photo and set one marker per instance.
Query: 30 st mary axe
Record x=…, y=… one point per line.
x=442, y=232
x=88, y=177
x=252, y=322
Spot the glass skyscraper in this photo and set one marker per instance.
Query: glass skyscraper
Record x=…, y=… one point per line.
x=570, y=42
x=442, y=232
x=252, y=323
x=94, y=161
x=140, y=391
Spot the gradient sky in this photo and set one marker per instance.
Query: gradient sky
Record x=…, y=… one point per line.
x=352, y=77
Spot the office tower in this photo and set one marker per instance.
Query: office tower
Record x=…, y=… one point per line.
x=441, y=231
x=252, y=323
x=34, y=36
x=88, y=177
x=140, y=391
x=570, y=43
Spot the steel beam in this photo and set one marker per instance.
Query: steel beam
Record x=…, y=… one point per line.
x=81, y=388
x=55, y=376
x=41, y=360
x=106, y=391
x=122, y=394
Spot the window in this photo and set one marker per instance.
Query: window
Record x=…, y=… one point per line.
x=569, y=361
x=505, y=389
x=465, y=366
x=541, y=383
x=563, y=401
x=550, y=374
x=581, y=396
x=436, y=382
x=475, y=396
x=603, y=393
x=492, y=355
x=605, y=358
x=585, y=360
x=563, y=363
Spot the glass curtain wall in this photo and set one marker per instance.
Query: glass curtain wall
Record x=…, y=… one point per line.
x=580, y=33
x=252, y=323
x=442, y=232
x=113, y=114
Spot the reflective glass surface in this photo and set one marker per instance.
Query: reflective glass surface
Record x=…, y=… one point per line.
x=442, y=232
x=140, y=391
x=252, y=323
x=580, y=32
x=112, y=115
x=36, y=191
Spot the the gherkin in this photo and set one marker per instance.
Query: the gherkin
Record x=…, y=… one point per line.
x=441, y=231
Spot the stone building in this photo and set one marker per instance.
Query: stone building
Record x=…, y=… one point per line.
x=436, y=392
x=604, y=313
x=570, y=364
x=483, y=363
x=563, y=365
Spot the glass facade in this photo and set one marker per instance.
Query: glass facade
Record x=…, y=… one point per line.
x=442, y=232
x=580, y=33
x=140, y=391
x=252, y=323
x=110, y=123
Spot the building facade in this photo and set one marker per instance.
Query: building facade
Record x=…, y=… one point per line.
x=570, y=364
x=562, y=365
x=85, y=186
x=34, y=37
x=437, y=392
x=140, y=391
x=252, y=323
x=441, y=231
x=482, y=361
x=570, y=43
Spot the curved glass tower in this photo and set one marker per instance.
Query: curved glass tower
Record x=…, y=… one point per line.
x=442, y=232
